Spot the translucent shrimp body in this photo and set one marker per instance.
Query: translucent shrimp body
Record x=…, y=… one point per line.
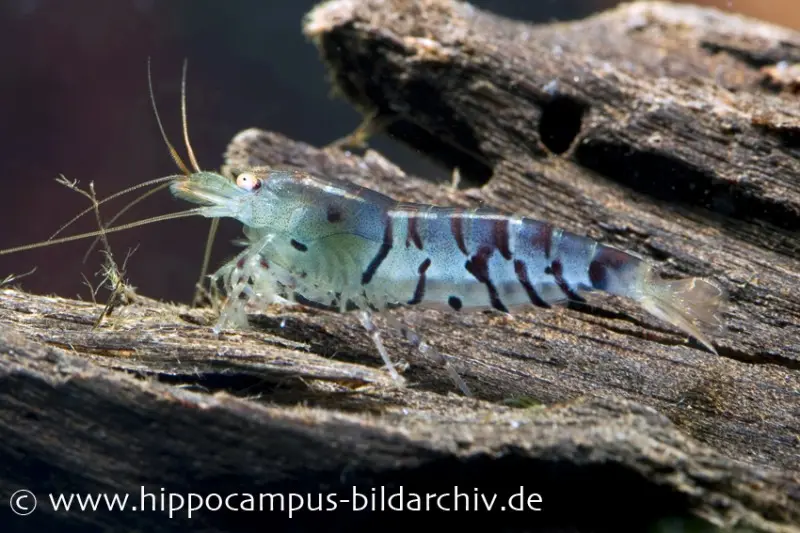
x=335, y=245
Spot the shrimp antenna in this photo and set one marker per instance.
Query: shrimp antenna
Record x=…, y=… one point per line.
x=122, y=211
x=117, y=195
x=136, y=224
x=172, y=151
x=175, y=157
x=192, y=158
x=212, y=231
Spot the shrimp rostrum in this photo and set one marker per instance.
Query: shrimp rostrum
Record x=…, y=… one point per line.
x=336, y=245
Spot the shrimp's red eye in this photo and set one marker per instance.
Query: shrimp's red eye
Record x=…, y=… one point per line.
x=248, y=181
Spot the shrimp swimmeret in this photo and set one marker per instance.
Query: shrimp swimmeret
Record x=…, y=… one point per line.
x=331, y=244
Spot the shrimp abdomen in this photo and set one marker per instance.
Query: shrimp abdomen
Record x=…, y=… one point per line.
x=448, y=258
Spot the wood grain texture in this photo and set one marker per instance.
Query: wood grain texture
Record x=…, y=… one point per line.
x=653, y=127
x=679, y=150
x=151, y=399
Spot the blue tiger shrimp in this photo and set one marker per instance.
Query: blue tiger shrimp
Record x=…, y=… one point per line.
x=330, y=244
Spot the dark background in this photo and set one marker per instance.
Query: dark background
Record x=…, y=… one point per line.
x=74, y=100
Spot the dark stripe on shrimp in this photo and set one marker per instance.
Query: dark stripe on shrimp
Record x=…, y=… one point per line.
x=501, y=238
x=386, y=246
x=298, y=245
x=522, y=275
x=543, y=238
x=419, y=292
x=606, y=259
x=478, y=266
x=412, y=234
x=457, y=228
x=598, y=275
x=557, y=270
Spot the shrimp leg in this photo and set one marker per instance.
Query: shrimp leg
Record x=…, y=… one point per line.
x=428, y=351
x=366, y=320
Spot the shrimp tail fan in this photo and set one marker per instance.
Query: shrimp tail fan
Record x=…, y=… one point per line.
x=694, y=305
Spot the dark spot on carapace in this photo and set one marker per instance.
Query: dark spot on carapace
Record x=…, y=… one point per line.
x=334, y=214
x=455, y=302
x=298, y=246
x=419, y=292
x=264, y=264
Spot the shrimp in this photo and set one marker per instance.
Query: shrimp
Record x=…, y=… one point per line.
x=329, y=244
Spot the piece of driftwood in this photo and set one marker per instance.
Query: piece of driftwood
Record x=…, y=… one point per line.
x=652, y=127
x=269, y=417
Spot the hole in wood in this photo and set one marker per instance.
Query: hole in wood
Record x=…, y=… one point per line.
x=560, y=124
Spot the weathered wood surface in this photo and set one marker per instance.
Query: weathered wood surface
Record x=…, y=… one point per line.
x=619, y=126
x=664, y=160
x=280, y=421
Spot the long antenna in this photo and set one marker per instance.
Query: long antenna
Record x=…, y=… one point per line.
x=212, y=230
x=122, y=212
x=160, y=218
x=116, y=195
x=172, y=151
x=189, y=150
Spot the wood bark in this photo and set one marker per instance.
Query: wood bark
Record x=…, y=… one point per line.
x=667, y=130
